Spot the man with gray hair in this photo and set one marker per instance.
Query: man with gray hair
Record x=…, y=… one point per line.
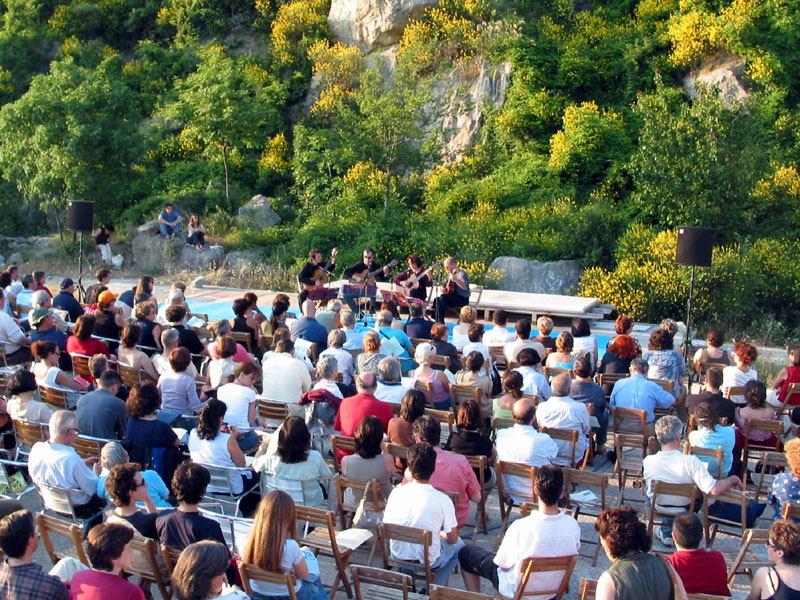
x=670, y=465
x=353, y=409
x=562, y=412
x=170, y=339
x=55, y=463
x=41, y=299
x=336, y=340
x=639, y=392
x=390, y=389
x=330, y=318
x=354, y=339
x=328, y=369
x=386, y=331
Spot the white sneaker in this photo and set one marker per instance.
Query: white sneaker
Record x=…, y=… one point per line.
x=666, y=539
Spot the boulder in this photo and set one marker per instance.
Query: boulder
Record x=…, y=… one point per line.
x=532, y=276
x=241, y=261
x=150, y=250
x=191, y=259
x=259, y=212
x=725, y=73
x=2, y=261
x=373, y=24
x=199, y=283
x=15, y=258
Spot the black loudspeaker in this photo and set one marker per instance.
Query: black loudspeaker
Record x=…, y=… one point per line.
x=80, y=215
x=694, y=246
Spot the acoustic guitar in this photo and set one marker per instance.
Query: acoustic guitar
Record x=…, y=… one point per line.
x=364, y=276
x=411, y=284
x=320, y=274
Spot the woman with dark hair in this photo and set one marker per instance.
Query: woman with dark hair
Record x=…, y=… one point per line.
x=151, y=330
x=583, y=341
x=711, y=434
x=242, y=323
x=22, y=406
x=47, y=371
x=211, y=444
x=744, y=355
x=240, y=397
x=755, y=393
x=439, y=335
x=258, y=317
x=108, y=323
x=469, y=441
x=368, y=462
x=295, y=460
x=634, y=572
x=109, y=549
x=418, y=289
x=665, y=363
x=534, y=383
x=473, y=375
x=399, y=430
x=712, y=355
x=200, y=573
x=512, y=391
x=781, y=581
x=277, y=319
x=81, y=340
x=221, y=329
x=130, y=355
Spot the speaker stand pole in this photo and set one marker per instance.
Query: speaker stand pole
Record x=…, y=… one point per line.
x=687, y=340
x=80, y=270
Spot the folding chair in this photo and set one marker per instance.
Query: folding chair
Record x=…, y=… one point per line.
x=462, y=393
x=57, y=500
x=566, y=435
x=441, y=361
x=412, y=535
x=480, y=466
x=551, y=372
x=341, y=443
x=439, y=592
x=688, y=491
x=447, y=423
x=745, y=560
x=792, y=391
x=220, y=479
x=323, y=540
x=52, y=525
x=716, y=457
x=588, y=589
x=629, y=463
x=232, y=527
x=391, y=585
x=146, y=565
x=273, y=411
x=630, y=420
x=588, y=479
x=498, y=358
x=545, y=565
x=770, y=461
x=426, y=387
x=250, y=573
x=6, y=491
x=347, y=510
x=53, y=397
x=243, y=338
x=609, y=379
x=791, y=510
x=767, y=426
x=400, y=454
x=522, y=473
x=265, y=342
x=27, y=434
x=80, y=365
x=88, y=447
x=734, y=390
x=171, y=556
x=131, y=376
x=714, y=524
x=500, y=423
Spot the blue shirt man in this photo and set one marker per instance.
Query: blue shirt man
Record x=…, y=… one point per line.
x=65, y=300
x=386, y=331
x=45, y=328
x=169, y=221
x=639, y=392
x=308, y=328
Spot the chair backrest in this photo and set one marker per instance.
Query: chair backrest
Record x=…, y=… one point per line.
x=88, y=447
x=512, y=469
x=769, y=462
x=55, y=498
x=588, y=589
x=243, y=338
x=717, y=455
x=381, y=578
x=735, y=497
x=610, y=379
x=28, y=433
x=792, y=391
x=688, y=491
x=734, y=390
x=576, y=477
x=359, y=488
x=774, y=427
x=250, y=573
x=80, y=364
x=635, y=420
x=462, y=393
x=446, y=420
x=344, y=443
x=131, y=376
x=666, y=384
x=440, y=592
x=551, y=372
x=565, y=435
x=426, y=387
x=411, y=535
x=53, y=397
x=232, y=527
x=441, y=361
x=293, y=487
x=271, y=410
x=500, y=423
x=146, y=564
x=171, y=556
x=790, y=510
x=5, y=377
x=542, y=565
x=54, y=526
x=6, y=487
x=397, y=451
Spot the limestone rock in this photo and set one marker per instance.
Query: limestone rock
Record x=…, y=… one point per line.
x=150, y=251
x=15, y=258
x=373, y=24
x=259, y=211
x=724, y=73
x=190, y=259
x=199, y=283
x=463, y=96
x=532, y=276
x=241, y=261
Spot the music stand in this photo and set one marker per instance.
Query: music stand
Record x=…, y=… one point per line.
x=359, y=291
x=322, y=295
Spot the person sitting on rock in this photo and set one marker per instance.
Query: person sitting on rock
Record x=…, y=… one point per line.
x=169, y=221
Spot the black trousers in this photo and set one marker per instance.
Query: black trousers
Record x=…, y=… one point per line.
x=445, y=302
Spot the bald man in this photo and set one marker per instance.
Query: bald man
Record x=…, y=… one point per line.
x=353, y=409
x=308, y=328
x=521, y=443
x=456, y=290
x=562, y=412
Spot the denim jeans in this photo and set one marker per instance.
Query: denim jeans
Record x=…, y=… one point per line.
x=447, y=560
x=168, y=229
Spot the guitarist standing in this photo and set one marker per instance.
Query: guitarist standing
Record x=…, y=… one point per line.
x=456, y=290
x=311, y=276
x=418, y=289
x=358, y=273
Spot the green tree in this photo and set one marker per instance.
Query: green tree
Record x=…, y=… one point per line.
x=226, y=106
x=73, y=135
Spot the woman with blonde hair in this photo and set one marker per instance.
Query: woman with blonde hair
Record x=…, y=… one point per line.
x=367, y=361
x=424, y=355
x=781, y=581
x=275, y=527
x=562, y=358
x=786, y=486
x=468, y=316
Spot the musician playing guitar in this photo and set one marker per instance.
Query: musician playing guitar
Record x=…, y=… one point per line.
x=359, y=274
x=415, y=280
x=455, y=293
x=314, y=273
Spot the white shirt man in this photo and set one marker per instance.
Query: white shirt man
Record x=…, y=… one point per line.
x=499, y=335
x=521, y=443
x=523, y=329
x=12, y=335
x=355, y=339
x=562, y=412
x=285, y=377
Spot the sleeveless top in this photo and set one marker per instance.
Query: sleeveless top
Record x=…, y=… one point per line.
x=641, y=575
x=793, y=373
x=440, y=395
x=147, y=332
x=706, y=361
x=104, y=325
x=782, y=591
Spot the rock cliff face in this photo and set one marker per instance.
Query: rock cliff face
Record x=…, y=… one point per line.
x=532, y=276
x=373, y=24
x=726, y=73
x=153, y=254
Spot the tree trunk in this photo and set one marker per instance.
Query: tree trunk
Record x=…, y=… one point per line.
x=386, y=192
x=58, y=224
x=227, y=189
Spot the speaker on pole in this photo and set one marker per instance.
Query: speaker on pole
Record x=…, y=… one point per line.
x=694, y=246
x=80, y=215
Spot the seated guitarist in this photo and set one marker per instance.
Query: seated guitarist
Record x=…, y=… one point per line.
x=418, y=289
x=358, y=273
x=307, y=274
x=456, y=290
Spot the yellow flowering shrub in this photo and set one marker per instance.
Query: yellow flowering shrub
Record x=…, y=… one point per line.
x=294, y=22
x=336, y=65
x=693, y=35
x=277, y=156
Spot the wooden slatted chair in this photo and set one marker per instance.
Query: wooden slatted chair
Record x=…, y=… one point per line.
x=596, y=482
x=380, y=584
x=412, y=535
x=250, y=573
x=27, y=434
x=498, y=358
x=716, y=457
x=273, y=412
x=441, y=361
x=566, y=435
x=551, y=372
x=145, y=564
x=54, y=397
x=713, y=524
x=426, y=387
x=630, y=454
x=5, y=378
x=630, y=420
x=88, y=447
x=54, y=526
x=171, y=556
x=265, y=342
x=462, y=393
x=745, y=560
x=734, y=390
x=772, y=462
x=341, y=443
x=347, y=510
x=130, y=376
x=323, y=540
x=479, y=464
x=588, y=589
x=539, y=564
x=688, y=491
x=519, y=474
x=440, y=592
x=757, y=449
x=791, y=510
x=447, y=423
x=80, y=365
x=244, y=339
x=609, y=379
x=500, y=423
x=792, y=394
